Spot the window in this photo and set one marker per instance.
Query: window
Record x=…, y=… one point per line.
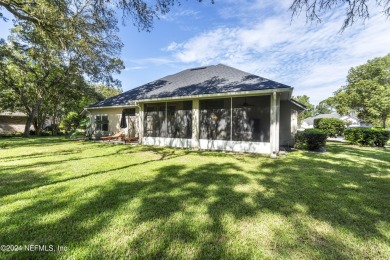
x=129, y=111
x=172, y=120
x=101, y=123
x=215, y=119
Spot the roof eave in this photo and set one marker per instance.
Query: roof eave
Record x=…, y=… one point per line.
x=220, y=95
x=296, y=103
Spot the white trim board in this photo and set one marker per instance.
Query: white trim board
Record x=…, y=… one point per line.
x=170, y=142
x=215, y=145
x=236, y=146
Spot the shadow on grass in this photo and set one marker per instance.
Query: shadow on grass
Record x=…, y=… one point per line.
x=14, y=142
x=27, y=179
x=375, y=153
x=190, y=207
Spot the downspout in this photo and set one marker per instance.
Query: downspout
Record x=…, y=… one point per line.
x=274, y=115
x=140, y=121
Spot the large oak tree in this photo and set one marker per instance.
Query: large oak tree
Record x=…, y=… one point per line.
x=42, y=78
x=367, y=91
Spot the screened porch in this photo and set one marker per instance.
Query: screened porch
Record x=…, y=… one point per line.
x=219, y=124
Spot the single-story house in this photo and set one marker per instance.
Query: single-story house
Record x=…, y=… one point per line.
x=15, y=122
x=213, y=108
x=12, y=122
x=350, y=120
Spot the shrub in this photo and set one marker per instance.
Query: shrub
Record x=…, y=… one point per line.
x=77, y=134
x=11, y=134
x=333, y=127
x=367, y=136
x=45, y=133
x=300, y=142
x=70, y=122
x=310, y=139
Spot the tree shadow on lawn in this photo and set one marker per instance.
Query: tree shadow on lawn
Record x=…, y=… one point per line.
x=28, y=179
x=355, y=199
x=14, y=142
x=378, y=154
x=188, y=211
x=36, y=155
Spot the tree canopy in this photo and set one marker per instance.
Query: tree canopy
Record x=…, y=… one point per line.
x=83, y=34
x=367, y=91
x=55, y=17
x=324, y=107
x=305, y=100
x=354, y=9
x=42, y=79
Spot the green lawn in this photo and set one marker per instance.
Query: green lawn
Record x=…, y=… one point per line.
x=119, y=201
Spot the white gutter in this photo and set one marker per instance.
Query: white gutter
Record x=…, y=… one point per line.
x=123, y=106
x=205, y=96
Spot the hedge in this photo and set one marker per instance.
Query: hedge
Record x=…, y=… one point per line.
x=367, y=136
x=310, y=139
x=333, y=127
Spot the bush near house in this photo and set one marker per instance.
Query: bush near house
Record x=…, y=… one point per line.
x=333, y=127
x=311, y=139
x=70, y=122
x=367, y=136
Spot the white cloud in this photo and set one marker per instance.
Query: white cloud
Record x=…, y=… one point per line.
x=134, y=68
x=314, y=59
x=178, y=12
x=172, y=46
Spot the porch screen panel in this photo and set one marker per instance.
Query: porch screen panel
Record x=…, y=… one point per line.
x=179, y=117
x=215, y=119
x=154, y=121
x=251, y=119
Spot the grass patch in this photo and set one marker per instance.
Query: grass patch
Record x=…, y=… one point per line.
x=120, y=201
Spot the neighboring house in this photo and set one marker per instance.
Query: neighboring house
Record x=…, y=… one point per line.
x=215, y=108
x=350, y=121
x=12, y=122
x=15, y=122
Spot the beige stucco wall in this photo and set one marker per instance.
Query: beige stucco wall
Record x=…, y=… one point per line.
x=114, y=120
x=288, y=123
x=12, y=124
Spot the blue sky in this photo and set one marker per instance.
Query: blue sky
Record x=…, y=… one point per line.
x=256, y=36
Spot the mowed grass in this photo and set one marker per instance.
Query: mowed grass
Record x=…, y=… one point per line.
x=120, y=201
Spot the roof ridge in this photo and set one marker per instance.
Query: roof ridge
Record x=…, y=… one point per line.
x=209, y=79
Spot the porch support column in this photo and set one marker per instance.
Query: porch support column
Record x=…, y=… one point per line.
x=140, y=123
x=195, y=124
x=274, y=126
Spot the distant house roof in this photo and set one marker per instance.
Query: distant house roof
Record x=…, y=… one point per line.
x=197, y=81
x=13, y=114
x=310, y=120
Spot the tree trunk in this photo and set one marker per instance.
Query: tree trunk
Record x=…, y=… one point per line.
x=53, y=122
x=30, y=119
x=384, y=119
x=39, y=122
x=29, y=123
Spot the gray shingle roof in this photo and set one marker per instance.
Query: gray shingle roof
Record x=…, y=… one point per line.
x=310, y=120
x=197, y=81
